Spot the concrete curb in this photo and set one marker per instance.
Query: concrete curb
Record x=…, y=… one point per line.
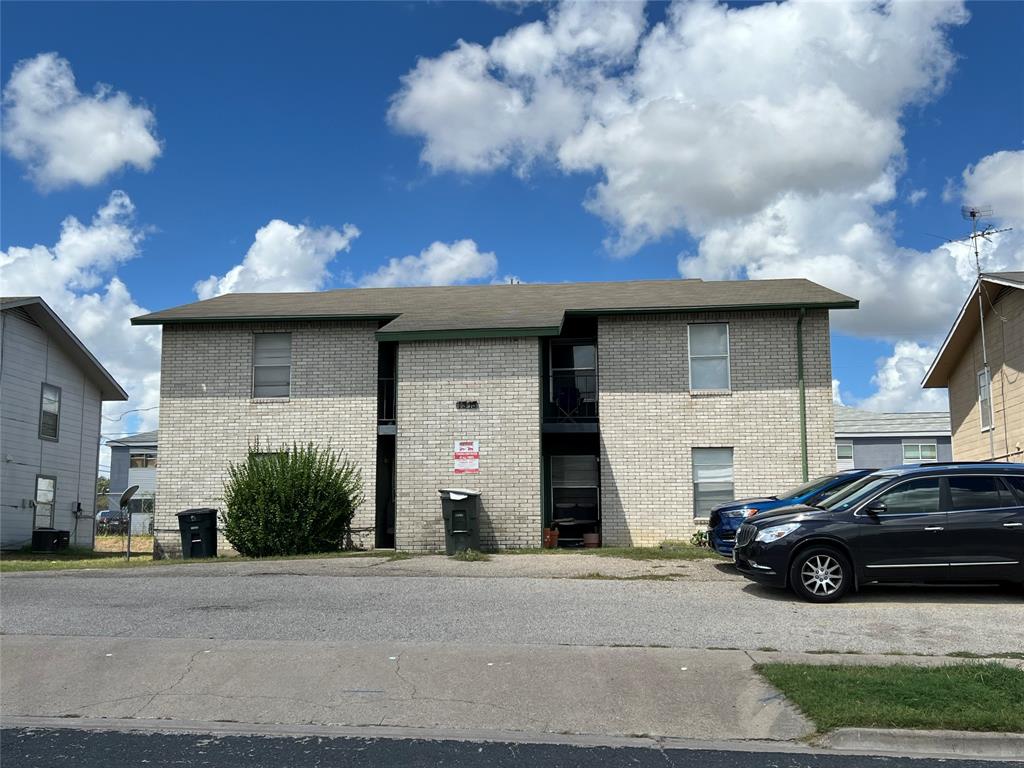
x=989, y=746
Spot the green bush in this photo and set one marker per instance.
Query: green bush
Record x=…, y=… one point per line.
x=291, y=502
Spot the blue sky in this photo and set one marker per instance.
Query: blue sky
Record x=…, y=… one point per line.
x=267, y=112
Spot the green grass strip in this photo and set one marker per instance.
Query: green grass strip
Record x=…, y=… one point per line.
x=959, y=697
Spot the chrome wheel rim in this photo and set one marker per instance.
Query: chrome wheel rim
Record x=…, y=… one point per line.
x=822, y=575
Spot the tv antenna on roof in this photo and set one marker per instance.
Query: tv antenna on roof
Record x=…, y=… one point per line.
x=975, y=214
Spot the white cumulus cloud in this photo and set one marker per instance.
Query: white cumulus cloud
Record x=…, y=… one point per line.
x=283, y=257
x=437, y=264
x=897, y=382
x=66, y=137
x=997, y=181
x=77, y=277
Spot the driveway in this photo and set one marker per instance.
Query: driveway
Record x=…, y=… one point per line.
x=504, y=601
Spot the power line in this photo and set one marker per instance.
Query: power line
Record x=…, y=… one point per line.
x=133, y=410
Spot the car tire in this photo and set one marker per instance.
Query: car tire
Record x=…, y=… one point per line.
x=820, y=574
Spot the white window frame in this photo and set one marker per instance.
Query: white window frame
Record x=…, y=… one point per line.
x=255, y=366
x=727, y=356
x=920, y=444
x=844, y=443
x=981, y=408
x=42, y=401
x=52, y=503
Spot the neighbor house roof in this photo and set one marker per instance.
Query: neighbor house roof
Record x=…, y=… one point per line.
x=143, y=438
x=853, y=422
x=502, y=310
x=967, y=323
x=39, y=311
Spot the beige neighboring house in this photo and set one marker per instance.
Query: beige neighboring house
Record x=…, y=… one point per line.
x=625, y=409
x=987, y=419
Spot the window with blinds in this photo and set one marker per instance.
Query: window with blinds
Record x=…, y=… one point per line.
x=271, y=364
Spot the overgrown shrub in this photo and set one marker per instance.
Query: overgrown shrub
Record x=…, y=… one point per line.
x=291, y=502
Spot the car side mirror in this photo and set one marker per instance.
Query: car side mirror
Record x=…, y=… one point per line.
x=875, y=508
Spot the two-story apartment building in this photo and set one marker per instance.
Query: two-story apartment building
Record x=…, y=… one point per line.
x=51, y=393
x=133, y=461
x=625, y=409
x=986, y=406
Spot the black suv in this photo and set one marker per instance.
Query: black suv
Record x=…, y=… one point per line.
x=933, y=522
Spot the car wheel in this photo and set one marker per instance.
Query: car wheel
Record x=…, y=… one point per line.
x=821, y=574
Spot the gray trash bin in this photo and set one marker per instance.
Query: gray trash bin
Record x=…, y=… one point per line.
x=460, y=508
x=198, y=532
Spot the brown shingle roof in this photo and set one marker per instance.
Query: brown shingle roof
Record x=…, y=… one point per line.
x=522, y=309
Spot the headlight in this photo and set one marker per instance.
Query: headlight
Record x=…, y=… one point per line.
x=776, y=532
x=748, y=511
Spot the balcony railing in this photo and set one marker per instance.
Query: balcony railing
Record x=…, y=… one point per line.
x=386, y=400
x=571, y=396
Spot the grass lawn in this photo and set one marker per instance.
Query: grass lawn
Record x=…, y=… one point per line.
x=960, y=697
x=86, y=558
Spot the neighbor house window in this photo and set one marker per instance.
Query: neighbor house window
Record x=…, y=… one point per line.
x=915, y=452
x=712, y=479
x=271, y=364
x=142, y=461
x=709, y=356
x=985, y=400
x=49, y=412
x=46, y=492
x=844, y=455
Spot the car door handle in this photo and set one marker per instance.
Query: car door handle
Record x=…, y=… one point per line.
x=934, y=528
x=1013, y=525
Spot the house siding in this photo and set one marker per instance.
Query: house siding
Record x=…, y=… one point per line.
x=30, y=357
x=650, y=421
x=208, y=417
x=881, y=452
x=503, y=376
x=1004, y=334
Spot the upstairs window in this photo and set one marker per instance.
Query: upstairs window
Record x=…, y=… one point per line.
x=142, y=461
x=49, y=413
x=271, y=364
x=985, y=400
x=712, y=479
x=708, y=345
x=573, y=384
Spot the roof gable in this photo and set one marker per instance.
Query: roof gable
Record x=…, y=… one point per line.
x=49, y=321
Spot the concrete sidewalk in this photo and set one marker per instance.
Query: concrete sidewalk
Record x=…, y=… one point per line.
x=664, y=692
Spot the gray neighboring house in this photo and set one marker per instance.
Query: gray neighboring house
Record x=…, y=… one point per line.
x=877, y=440
x=51, y=394
x=133, y=461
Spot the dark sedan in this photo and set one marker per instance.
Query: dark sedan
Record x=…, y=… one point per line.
x=928, y=523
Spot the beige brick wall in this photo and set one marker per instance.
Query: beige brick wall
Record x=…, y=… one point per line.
x=1004, y=335
x=650, y=420
x=208, y=417
x=503, y=376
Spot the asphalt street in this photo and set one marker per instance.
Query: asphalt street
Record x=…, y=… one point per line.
x=349, y=602
x=23, y=748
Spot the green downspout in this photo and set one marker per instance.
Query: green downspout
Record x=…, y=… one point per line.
x=800, y=384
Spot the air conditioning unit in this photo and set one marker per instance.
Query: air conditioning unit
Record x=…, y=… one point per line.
x=50, y=540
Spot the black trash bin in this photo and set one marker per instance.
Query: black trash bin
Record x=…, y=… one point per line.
x=461, y=511
x=198, y=532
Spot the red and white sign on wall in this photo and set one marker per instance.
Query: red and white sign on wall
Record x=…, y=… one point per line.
x=466, y=457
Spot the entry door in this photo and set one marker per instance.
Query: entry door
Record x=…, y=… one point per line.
x=987, y=523
x=909, y=539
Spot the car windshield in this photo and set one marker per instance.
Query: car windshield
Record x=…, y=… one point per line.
x=855, y=492
x=808, y=487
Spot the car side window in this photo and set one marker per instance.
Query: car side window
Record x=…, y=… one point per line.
x=1017, y=485
x=969, y=492
x=913, y=496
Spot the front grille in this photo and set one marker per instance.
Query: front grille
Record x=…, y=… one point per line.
x=745, y=535
x=727, y=536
